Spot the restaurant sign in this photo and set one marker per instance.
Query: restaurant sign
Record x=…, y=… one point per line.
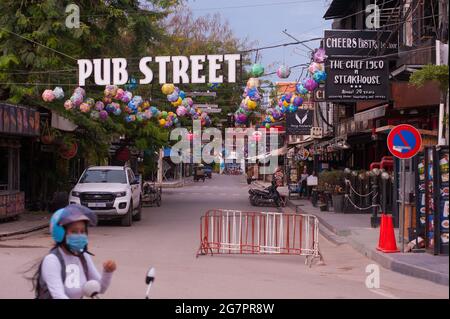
x=359, y=43
x=300, y=122
x=353, y=79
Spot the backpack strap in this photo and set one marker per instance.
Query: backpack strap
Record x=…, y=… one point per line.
x=57, y=253
x=42, y=291
x=85, y=266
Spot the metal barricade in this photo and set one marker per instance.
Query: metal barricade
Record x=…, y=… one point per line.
x=237, y=232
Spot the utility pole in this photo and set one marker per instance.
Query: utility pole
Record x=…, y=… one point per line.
x=442, y=59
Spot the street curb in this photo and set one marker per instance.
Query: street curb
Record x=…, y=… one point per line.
x=324, y=229
x=398, y=266
x=329, y=235
x=24, y=231
x=341, y=237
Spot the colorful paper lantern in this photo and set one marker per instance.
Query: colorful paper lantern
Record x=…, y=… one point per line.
x=80, y=90
x=301, y=89
x=48, y=96
x=257, y=70
x=310, y=84
x=320, y=76
x=172, y=97
x=103, y=115
x=253, y=83
x=99, y=106
x=84, y=107
x=131, y=84
x=314, y=67
x=68, y=105
x=320, y=56
x=283, y=71
x=58, y=92
x=167, y=89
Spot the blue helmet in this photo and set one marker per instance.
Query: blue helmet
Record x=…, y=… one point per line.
x=69, y=214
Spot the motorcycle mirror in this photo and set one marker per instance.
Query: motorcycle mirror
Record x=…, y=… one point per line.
x=150, y=276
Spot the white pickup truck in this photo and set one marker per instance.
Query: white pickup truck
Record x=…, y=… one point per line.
x=111, y=192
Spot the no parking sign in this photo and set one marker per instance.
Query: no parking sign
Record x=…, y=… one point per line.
x=404, y=141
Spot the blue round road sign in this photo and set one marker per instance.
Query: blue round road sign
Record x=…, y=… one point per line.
x=404, y=141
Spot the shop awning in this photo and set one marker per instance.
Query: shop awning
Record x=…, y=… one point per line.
x=338, y=8
x=278, y=152
x=371, y=114
x=306, y=142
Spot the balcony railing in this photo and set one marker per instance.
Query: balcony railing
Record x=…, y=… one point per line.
x=425, y=53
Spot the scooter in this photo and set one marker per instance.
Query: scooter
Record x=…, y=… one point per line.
x=92, y=288
x=267, y=197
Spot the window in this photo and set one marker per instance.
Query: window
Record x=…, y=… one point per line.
x=104, y=176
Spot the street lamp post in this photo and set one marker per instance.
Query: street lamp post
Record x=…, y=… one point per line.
x=384, y=179
x=375, y=204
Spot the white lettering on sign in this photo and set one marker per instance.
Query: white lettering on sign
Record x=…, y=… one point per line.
x=203, y=69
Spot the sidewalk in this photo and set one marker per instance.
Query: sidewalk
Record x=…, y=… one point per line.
x=176, y=183
x=27, y=222
x=355, y=230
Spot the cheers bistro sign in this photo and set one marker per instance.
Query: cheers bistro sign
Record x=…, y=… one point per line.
x=183, y=69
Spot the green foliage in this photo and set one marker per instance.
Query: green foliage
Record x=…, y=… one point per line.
x=39, y=52
x=430, y=72
x=332, y=181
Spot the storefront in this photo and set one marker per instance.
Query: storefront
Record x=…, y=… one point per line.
x=18, y=124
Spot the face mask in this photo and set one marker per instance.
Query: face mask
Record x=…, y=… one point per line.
x=77, y=242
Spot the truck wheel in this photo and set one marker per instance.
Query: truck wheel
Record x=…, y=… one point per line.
x=128, y=218
x=138, y=215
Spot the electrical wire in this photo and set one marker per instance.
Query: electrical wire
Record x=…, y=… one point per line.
x=42, y=45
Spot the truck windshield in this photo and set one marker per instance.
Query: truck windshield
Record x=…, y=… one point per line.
x=104, y=176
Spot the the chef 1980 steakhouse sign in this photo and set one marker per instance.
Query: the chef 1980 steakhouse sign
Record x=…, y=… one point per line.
x=354, y=79
x=354, y=71
x=404, y=141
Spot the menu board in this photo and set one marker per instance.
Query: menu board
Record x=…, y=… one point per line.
x=421, y=207
x=443, y=201
x=429, y=198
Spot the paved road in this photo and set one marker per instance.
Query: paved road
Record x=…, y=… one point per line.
x=168, y=237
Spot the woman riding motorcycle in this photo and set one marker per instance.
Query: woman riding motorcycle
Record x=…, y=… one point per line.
x=64, y=271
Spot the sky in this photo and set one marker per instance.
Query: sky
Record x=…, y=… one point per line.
x=263, y=22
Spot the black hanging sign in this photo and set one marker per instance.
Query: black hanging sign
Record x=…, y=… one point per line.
x=360, y=43
x=300, y=122
x=353, y=79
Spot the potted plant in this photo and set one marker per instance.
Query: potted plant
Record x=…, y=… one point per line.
x=49, y=134
x=69, y=147
x=333, y=183
x=323, y=202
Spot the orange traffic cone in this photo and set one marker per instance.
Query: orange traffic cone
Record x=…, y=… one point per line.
x=387, y=242
x=382, y=239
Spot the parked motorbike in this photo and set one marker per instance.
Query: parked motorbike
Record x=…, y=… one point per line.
x=266, y=197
